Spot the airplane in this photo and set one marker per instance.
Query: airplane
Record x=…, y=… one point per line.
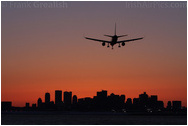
x=114, y=40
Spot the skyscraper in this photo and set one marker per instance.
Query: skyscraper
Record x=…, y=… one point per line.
x=67, y=98
x=143, y=99
x=6, y=105
x=74, y=99
x=176, y=105
x=169, y=105
x=27, y=105
x=58, y=97
x=47, y=97
x=129, y=101
x=122, y=98
x=101, y=99
x=102, y=94
x=39, y=102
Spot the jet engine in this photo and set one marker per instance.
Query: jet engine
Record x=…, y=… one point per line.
x=103, y=44
x=123, y=43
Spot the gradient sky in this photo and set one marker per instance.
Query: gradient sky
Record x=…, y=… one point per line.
x=43, y=49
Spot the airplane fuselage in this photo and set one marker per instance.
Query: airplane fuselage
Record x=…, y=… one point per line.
x=114, y=40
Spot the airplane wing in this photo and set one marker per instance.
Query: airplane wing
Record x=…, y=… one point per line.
x=129, y=40
x=97, y=40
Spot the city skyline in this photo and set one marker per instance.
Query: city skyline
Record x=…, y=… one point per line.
x=101, y=102
x=67, y=98
x=44, y=49
x=100, y=106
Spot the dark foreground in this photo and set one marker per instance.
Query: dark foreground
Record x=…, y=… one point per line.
x=89, y=119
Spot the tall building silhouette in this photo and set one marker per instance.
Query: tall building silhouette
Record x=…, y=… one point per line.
x=47, y=98
x=67, y=98
x=152, y=102
x=143, y=98
x=122, y=99
x=129, y=101
x=6, y=105
x=58, y=97
x=34, y=106
x=102, y=94
x=100, y=102
x=74, y=99
x=39, y=102
x=169, y=105
x=176, y=105
x=27, y=105
x=101, y=99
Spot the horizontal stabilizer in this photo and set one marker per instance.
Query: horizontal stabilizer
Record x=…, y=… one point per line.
x=121, y=36
x=97, y=40
x=108, y=35
x=129, y=40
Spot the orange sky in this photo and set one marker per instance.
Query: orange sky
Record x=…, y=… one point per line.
x=44, y=50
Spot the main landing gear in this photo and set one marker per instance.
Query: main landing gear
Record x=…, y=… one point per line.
x=108, y=45
x=112, y=47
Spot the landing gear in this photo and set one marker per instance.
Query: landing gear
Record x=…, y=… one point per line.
x=108, y=45
x=119, y=45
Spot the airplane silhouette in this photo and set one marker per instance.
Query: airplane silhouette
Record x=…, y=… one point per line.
x=114, y=40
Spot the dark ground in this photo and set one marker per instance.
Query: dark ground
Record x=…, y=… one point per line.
x=89, y=118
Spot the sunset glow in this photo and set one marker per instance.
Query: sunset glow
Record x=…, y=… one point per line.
x=43, y=50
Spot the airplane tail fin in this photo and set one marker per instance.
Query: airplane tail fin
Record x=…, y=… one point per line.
x=115, y=28
x=114, y=33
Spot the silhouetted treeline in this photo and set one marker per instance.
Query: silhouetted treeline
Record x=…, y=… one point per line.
x=100, y=102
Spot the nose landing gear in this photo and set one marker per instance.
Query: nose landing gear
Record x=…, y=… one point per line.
x=119, y=45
